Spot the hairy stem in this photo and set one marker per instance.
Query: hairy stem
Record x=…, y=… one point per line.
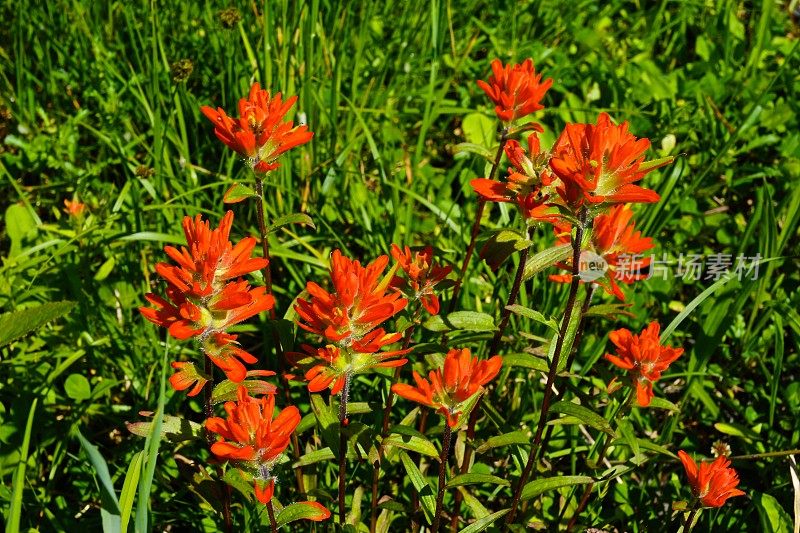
x=343, y=447
x=687, y=526
x=551, y=374
x=590, y=288
x=442, y=469
x=476, y=226
x=264, y=231
x=271, y=512
x=505, y=314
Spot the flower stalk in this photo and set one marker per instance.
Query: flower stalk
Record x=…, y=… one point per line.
x=551, y=375
x=264, y=231
x=343, y=422
x=273, y=525
x=446, y=437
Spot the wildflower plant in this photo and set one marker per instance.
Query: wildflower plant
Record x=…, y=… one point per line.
x=368, y=316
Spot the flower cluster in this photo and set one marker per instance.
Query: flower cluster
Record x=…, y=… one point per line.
x=349, y=319
x=423, y=275
x=515, y=90
x=259, y=133
x=450, y=388
x=206, y=295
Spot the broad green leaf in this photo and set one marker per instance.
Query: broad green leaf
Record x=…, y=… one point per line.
x=20, y=224
x=172, y=428
x=426, y=494
x=533, y=315
x=476, y=479
x=294, y=218
x=662, y=403
x=129, y=490
x=474, y=504
x=540, y=486
x=77, y=387
x=472, y=148
x=420, y=445
x=506, y=439
x=482, y=523
x=774, y=519
x=19, y=323
x=460, y=320
x=302, y=511
x=584, y=414
x=610, y=311
x=544, y=259
x=736, y=430
x=479, y=129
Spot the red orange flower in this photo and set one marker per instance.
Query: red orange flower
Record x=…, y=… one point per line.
x=252, y=439
x=599, y=163
x=203, y=300
x=423, y=274
x=643, y=357
x=359, y=303
x=74, y=208
x=259, y=133
x=462, y=377
x=714, y=482
x=515, y=89
x=617, y=243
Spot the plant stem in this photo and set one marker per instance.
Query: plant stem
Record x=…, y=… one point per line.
x=476, y=226
x=687, y=526
x=343, y=446
x=208, y=411
x=505, y=314
x=442, y=469
x=590, y=288
x=384, y=432
x=551, y=375
x=473, y=418
x=264, y=230
x=271, y=512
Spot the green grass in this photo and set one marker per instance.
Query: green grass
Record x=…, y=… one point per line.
x=90, y=108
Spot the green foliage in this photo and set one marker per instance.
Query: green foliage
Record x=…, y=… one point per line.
x=98, y=115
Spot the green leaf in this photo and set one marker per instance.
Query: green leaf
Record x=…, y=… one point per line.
x=226, y=391
x=18, y=323
x=546, y=258
x=294, y=218
x=506, y=439
x=540, y=486
x=533, y=315
x=474, y=479
x=18, y=479
x=238, y=193
x=109, y=505
x=414, y=443
x=525, y=360
x=105, y=269
x=479, y=129
x=774, y=519
x=426, y=495
x=610, y=311
x=460, y=320
x=77, y=387
x=172, y=428
x=20, y=225
x=584, y=414
x=472, y=148
x=483, y=523
x=692, y=305
x=662, y=403
x=736, y=430
x=302, y=511
x=129, y=490
x=325, y=454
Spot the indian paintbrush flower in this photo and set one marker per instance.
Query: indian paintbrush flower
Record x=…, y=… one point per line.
x=259, y=133
x=643, y=357
x=447, y=389
x=599, y=163
x=423, y=275
x=515, y=89
x=713, y=482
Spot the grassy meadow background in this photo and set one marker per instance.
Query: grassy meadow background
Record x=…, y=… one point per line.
x=100, y=100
